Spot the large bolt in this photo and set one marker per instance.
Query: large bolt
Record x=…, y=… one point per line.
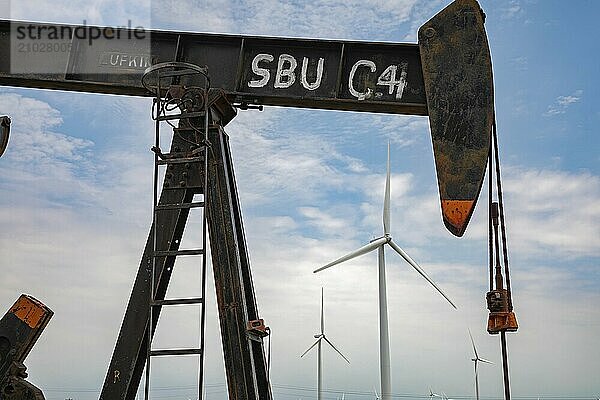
x=429, y=32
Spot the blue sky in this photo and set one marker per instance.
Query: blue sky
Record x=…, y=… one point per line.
x=75, y=197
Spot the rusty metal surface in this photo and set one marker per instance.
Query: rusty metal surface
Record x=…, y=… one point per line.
x=20, y=328
x=457, y=72
x=243, y=355
x=253, y=70
x=129, y=355
x=245, y=362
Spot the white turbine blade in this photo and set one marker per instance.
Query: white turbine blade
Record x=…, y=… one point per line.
x=375, y=391
x=363, y=250
x=339, y=352
x=445, y=396
x=313, y=345
x=473, y=343
x=322, y=320
x=483, y=360
x=386, y=200
x=419, y=270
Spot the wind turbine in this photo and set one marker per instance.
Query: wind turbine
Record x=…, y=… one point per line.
x=432, y=394
x=320, y=337
x=475, y=361
x=379, y=244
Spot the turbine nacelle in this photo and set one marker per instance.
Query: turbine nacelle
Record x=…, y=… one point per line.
x=386, y=236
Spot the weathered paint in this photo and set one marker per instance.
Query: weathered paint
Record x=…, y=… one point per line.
x=30, y=312
x=457, y=72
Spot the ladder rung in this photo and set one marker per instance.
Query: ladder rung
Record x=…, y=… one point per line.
x=174, y=352
x=175, y=302
x=181, y=116
x=179, y=206
x=180, y=160
x=191, y=252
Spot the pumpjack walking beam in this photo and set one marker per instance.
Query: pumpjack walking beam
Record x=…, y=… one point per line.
x=447, y=76
x=242, y=347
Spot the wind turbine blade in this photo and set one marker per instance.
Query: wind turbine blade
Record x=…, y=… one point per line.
x=322, y=319
x=313, y=345
x=483, y=360
x=473, y=343
x=339, y=352
x=375, y=391
x=363, y=250
x=386, y=199
x=419, y=270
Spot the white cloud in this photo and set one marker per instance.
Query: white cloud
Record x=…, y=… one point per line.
x=512, y=10
x=323, y=18
x=562, y=103
x=96, y=12
x=554, y=212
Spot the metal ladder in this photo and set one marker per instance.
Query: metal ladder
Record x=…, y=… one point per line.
x=186, y=166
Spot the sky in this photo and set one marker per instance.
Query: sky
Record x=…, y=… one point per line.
x=75, y=209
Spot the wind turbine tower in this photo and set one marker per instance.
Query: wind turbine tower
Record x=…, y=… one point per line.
x=475, y=361
x=320, y=337
x=379, y=245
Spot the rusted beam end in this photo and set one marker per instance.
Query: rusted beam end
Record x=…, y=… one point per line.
x=457, y=71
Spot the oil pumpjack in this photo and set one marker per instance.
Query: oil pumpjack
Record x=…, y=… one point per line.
x=200, y=80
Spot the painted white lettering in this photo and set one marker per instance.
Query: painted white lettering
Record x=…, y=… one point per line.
x=388, y=78
x=262, y=72
x=288, y=72
x=360, y=95
x=315, y=85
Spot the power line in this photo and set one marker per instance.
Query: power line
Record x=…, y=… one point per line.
x=310, y=392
